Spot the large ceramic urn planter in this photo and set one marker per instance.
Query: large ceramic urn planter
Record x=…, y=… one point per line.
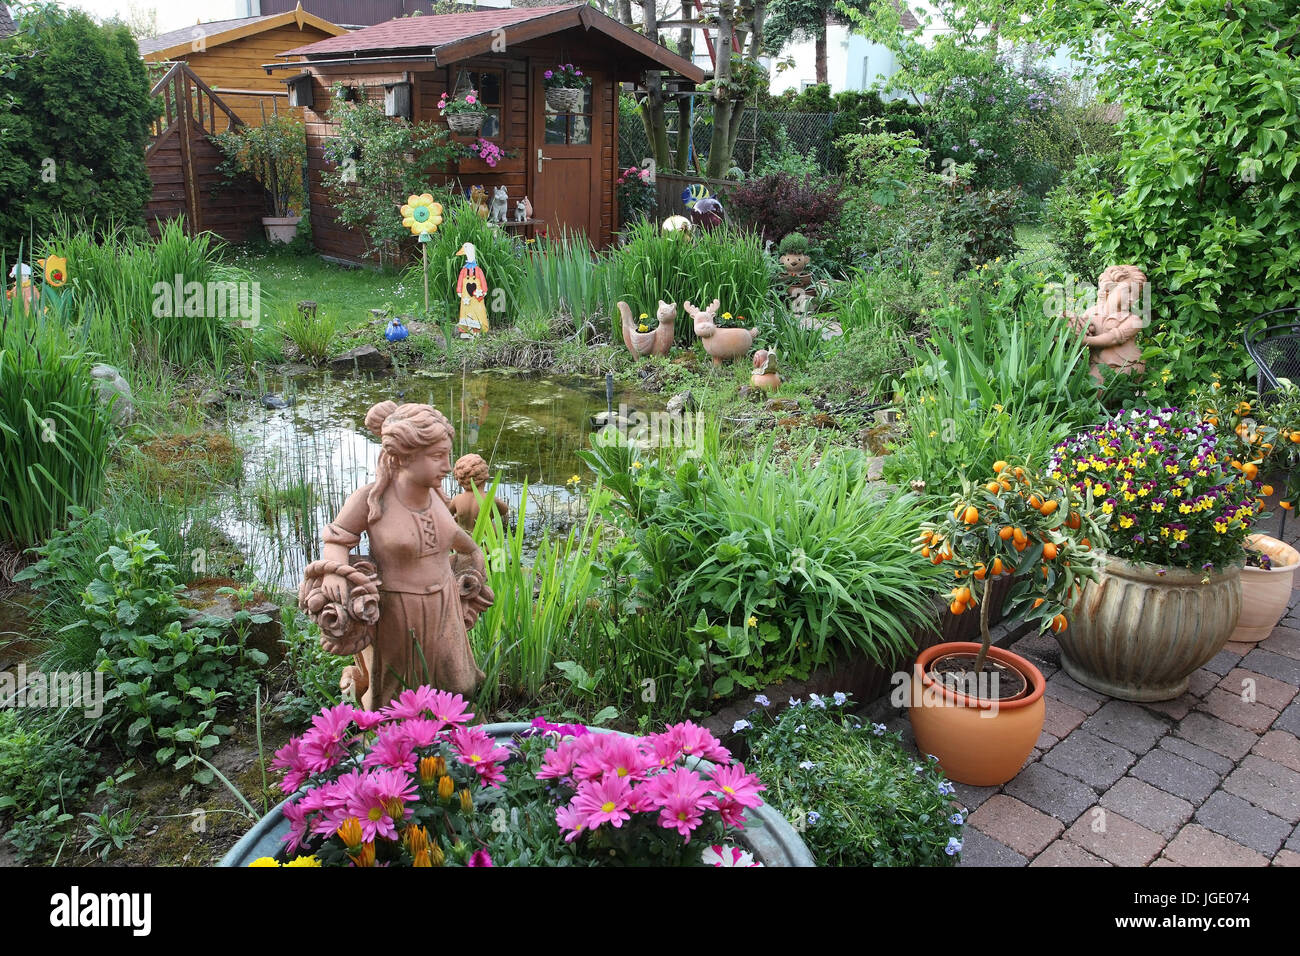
x=281, y=229
x=980, y=742
x=1140, y=630
x=769, y=836
x=1265, y=594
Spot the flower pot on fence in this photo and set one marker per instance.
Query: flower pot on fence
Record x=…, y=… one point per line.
x=1139, y=631
x=565, y=99
x=979, y=739
x=769, y=836
x=1265, y=594
x=281, y=229
x=465, y=124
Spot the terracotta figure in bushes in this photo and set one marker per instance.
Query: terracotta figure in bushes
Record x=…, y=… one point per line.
x=765, y=375
x=721, y=344
x=641, y=341
x=1110, y=326
x=471, y=473
x=405, y=616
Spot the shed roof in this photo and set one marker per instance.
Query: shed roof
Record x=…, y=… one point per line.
x=216, y=32
x=458, y=36
x=7, y=26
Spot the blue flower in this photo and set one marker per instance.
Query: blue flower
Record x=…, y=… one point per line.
x=878, y=729
x=795, y=701
x=932, y=757
x=806, y=765
x=946, y=789
x=817, y=702
x=840, y=698
x=813, y=816
x=762, y=700
x=956, y=819
x=801, y=728
x=918, y=769
x=953, y=847
x=740, y=725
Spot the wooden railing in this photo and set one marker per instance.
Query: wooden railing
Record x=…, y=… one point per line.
x=188, y=98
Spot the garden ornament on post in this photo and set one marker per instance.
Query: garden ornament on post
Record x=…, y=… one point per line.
x=1109, y=326
x=405, y=616
x=471, y=288
x=706, y=213
x=471, y=473
x=721, y=344
x=423, y=216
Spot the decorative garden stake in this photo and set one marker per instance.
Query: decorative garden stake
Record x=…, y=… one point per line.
x=423, y=216
x=404, y=617
x=471, y=287
x=1109, y=326
x=471, y=473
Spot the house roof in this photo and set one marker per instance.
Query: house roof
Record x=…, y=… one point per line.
x=215, y=32
x=906, y=19
x=458, y=36
x=7, y=26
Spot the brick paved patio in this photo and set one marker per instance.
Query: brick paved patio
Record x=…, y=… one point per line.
x=1209, y=779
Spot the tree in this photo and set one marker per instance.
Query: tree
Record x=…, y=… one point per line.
x=74, y=122
x=805, y=19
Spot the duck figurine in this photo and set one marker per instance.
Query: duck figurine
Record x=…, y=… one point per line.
x=396, y=331
x=471, y=289
x=765, y=376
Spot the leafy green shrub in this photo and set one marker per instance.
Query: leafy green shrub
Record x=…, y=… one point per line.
x=564, y=277
x=273, y=153
x=855, y=795
x=42, y=775
x=984, y=221
x=75, y=110
x=723, y=264
x=1068, y=211
x=313, y=332
x=54, y=433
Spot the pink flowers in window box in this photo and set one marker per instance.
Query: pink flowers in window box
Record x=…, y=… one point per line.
x=487, y=151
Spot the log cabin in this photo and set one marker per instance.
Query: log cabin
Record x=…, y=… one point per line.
x=566, y=163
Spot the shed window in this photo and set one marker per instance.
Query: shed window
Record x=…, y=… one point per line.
x=490, y=86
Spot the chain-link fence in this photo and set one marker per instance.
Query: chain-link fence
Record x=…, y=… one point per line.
x=764, y=137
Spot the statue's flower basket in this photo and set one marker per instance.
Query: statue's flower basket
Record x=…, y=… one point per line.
x=348, y=627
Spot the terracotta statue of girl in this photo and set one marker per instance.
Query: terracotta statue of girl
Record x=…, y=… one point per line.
x=471, y=473
x=426, y=601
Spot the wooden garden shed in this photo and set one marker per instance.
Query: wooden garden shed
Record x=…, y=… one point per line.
x=566, y=163
x=228, y=55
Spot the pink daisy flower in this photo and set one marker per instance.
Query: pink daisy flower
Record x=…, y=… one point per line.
x=682, y=797
x=393, y=748
x=695, y=741
x=450, y=708
x=296, y=814
x=661, y=750
x=613, y=753
x=290, y=759
x=367, y=719
x=604, y=800
x=412, y=702
x=379, y=801
x=732, y=813
x=734, y=784
x=558, y=762
x=420, y=732
x=474, y=747
x=490, y=774
x=572, y=820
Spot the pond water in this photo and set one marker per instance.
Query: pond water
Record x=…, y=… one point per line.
x=301, y=462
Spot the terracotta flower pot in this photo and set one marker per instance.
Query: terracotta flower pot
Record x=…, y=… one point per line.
x=979, y=742
x=1265, y=594
x=1139, y=631
x=281, y=229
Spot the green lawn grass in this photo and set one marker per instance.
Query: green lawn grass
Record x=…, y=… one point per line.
x=348, y=294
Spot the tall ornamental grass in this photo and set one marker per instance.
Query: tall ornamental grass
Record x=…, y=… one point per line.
x=564, y=277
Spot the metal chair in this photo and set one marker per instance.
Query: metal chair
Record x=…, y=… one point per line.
x=1275, y=349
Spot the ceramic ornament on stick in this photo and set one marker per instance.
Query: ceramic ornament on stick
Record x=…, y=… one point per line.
x=471, y=289
x=423, y=216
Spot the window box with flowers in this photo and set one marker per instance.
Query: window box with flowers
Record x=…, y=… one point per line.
x=566, y=85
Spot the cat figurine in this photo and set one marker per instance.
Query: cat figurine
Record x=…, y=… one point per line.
x=500, y=203
x=521, y=214
x=478, y=199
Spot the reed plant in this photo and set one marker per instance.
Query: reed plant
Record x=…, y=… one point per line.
x=313, y=332
x=564, y=277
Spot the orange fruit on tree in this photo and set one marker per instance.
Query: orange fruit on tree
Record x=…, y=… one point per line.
x=1295, y=437
x=957, y=607
x=1086, y=543
x=1004, y=484
x=1250, y=471
x=925, y=552
x=1285, y=504
x=1019, y=472
x=1266, y=490
x=998, y=466
x=1019, y=536
x=1073, y=521
x=997, y=566
x=1059, y=623
x=1035, y=502
x=970, y=515
x=1049, y=507
x=980, y=572
x=993, y=487
x=962, y=594
x=1005, y=532
x=1038, y=602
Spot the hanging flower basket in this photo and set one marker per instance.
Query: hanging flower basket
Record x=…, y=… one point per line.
x=465, y=124
x=565, y=99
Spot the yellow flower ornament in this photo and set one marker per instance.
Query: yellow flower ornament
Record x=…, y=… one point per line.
x=421, y=214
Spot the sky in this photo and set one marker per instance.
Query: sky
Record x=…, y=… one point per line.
x=172, y=15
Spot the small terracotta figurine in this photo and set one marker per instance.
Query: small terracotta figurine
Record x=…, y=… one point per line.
x=404, y=616
x=471, y=287
x=765, y=375
x=657, y=341
x=1109, y=326
x=478, y=199
x=471, y=472
x=721, y=344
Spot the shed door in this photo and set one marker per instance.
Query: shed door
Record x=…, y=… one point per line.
x=565, y=161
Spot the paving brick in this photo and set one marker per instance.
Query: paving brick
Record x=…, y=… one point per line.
x=980, y=850
x=1115, y=838
x=1045, y=742
x=1206, y=758
x=1165, y=862
x=1064, y=853
x=1142, y=803
x=1280, y=747
x=1128, y=725
x=1284, y=641
x=1015, y=824
x=1052, y=792
x=1220, y=736
x=1177, y=709
x=1269, y=691
x=1267, y=784
x=1293, y=842
x=1289, y=719
x=1201, y=681
x=1262, y=661
x=1063, y=688
x=1061, y=718
x=1240, y=648
x=1242, y=823
x=1096, y=762
x=1285, y=858
x=1043, y=650
x=1177, y=775
x=1197, y=846
x=1255, y=717
x=1222, y=662
x=971, y=797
